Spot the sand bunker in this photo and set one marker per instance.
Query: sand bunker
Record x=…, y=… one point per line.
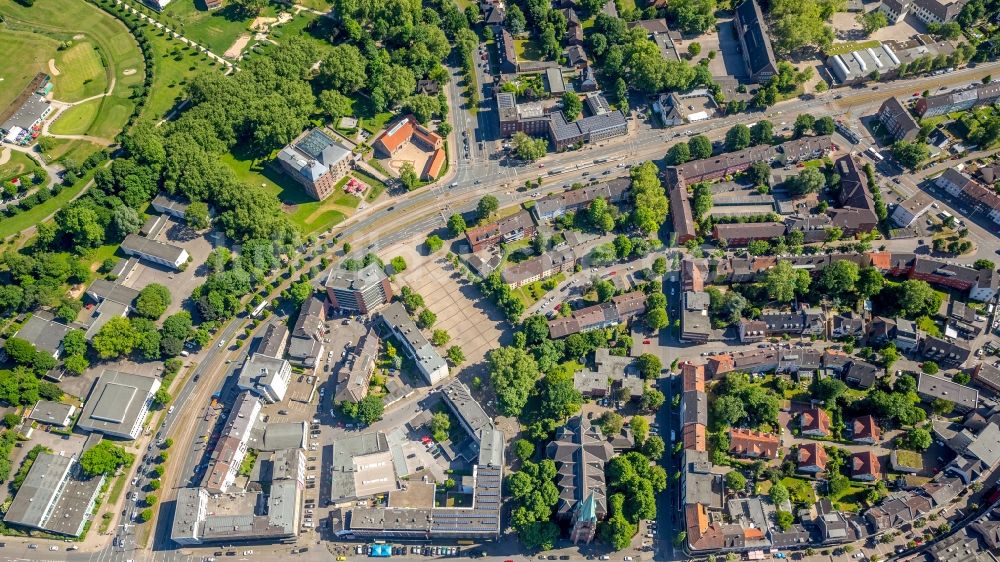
x=52, y=68
x=237, y=48
x=128, y=72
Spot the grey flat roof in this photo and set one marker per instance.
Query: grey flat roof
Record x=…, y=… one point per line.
x=32, y=110
x=46, y=411
x=937, y=387
x=104, y=312
x=55, y=496
x=45, y=334
x=342, y=482
x=116, y=402
x=342, y=279
x=459, y=398
x=145, y=246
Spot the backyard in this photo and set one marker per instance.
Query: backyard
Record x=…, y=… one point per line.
x=532, y=292
x=528, y=49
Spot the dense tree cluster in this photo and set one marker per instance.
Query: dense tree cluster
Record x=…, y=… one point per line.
x=742, y=403
x=105, y=458
x=534, y=493
x=649, y=197
x=636, y=481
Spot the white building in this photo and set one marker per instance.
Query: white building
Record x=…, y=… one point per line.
x=118, y=404
x=231, y=448
x=268, y=377
x=912, y=209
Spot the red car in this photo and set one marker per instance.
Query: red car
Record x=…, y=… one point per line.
x=646, y=342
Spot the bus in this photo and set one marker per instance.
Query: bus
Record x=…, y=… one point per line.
x=258, y=309
x=875, y=154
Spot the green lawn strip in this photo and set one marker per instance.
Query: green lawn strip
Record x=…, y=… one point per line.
x=76, y=150
x=850, y=499
x=533, y=292
x=375, y=187
x=36, y=214
x=25, y=54
x=81, y=73
x=96, y=256
x=117, y=488
x=175, y=64
x=842, y=48
x=528, y=49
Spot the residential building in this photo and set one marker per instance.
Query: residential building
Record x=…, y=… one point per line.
x=833, y=526
x=157, y=252
x=273, y=341
x=557, y=204
x=172, y=205
x=797, y=323
x=861, y=373
x=753, y=444
x=987, y=375
x=897, y=510
x=947, y=351
x=865, y=430
x=755, y=44
x=961, y=546
x=267, y=377
x=814, y=422
x=231, y=446
x=680, y=211
x=506, y=230
x=118, y=404
x=355, y=372
x=55, y=496
x=865, y=466
x=270, y=509
x=897, y=119
x=937, y=11
x=618, y=310
x=907, y=212
x=930, y=388
x=960, y=100
x=850, y=324
x=894, y=10
x=360, y=291
x=907, y=336
x=610, y=373
x=317, y=162
x=506, y=50
x=580, y=453
x=305, y=346
x=981, y=284
x=943, y=490
x=430, y=364
x=696, y=326
x=742, y=233
x=540, y=267
x=52, y=413
x=812, y=458
x=856, y=213
x=790, y=152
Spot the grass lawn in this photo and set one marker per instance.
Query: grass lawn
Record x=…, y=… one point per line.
x=81, y=73
x=850, y=499
x=96, y=256
x=321, y=5
x=369, y=120
x=18, y=164
x=841, y=48
x=624, y=5
x=74, y=149
x=375, y=188
x=800, y=490
x=216, y=30
x=910, y=458
x=77, y=119
x=22, y=221
x=175, y=65
x=308, y=214
x=25, y=54
x=528, y=49
x=119, y=53
x=533, y=292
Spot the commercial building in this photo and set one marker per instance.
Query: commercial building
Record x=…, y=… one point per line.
x=897, y=120
x=755, y=44
x=863, y=64
x=742, y=233
x=907, y=212
x=118, y=404
x=618, y=310
x=949, y=102
x=981, y=284
x=580, y=453
x=359, y=291
x=593, y=128
x=610, y=374
x=25, y=124
x=231, y=447
x=250, y=515
x=52, y=413
x=267, y=377
x=527, y=118
x=356, y=370
x=540, y=267
x=557, y=204
x=154, y=251
x=937, y=11
x=305, y=345
x=696, y=326
x=430, y=364
x=971, y=192
x=506, y=230
x=317, y=162
x=44, y=333
x=55, y=497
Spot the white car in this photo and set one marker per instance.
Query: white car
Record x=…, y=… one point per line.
x=247, y=552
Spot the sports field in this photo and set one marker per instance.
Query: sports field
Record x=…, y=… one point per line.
x=81, y=73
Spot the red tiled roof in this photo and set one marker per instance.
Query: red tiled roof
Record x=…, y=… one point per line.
x=865, y=463
x=812, y=454
x=865, y=428
x=694, y=437
x=693, y=377
x=399, y=133
x=434, y=165
x=753, y=443
x=720, y=364
x=815, y=419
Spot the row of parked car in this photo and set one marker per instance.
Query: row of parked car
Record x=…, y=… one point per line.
x=403, y=550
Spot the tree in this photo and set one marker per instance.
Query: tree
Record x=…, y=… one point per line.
x=115, y=339
x=105, y=458
x=515, y=20
x=809, y=180
x=527, y=148
x=162, y=397
x=660, y=265
x=524, y=449
x=434, y=243
x=737, y=138
x=649, y=366
x=779, y=494
x=803, y=123
x=652, y=400
x=343, y=69
x=942, y=407
x=678, y=154
x=426, y=319
x=693, y=16
x=456, y=225
x=124, y=221
x=334, y=104
x=735, y=481
x=700, y=146
x=656, y=319
x=486, y=207
x=729, y=410
x=196, y=215
x=872, y=21
x=824, y=126
x=800, y=24
x=918, y=439
x=513, y=372
x=654, y=447
x=911, y=154
x=930, y=367
x=828, y=389
x=982, y=264
x=572, y=107
x=250, y=8
x=650, y=198
x=915, y=298
x=455, y=355
x=440, y=425
x=370, y=409
x=408, y=175
x=152, y=301
x=784, y=520
x=840, y=278
x=440, y=337
x=694, y=49
x=11, y=420
x=762, y=132
x=147, y=514
x=781, y=282
x=398, y=264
